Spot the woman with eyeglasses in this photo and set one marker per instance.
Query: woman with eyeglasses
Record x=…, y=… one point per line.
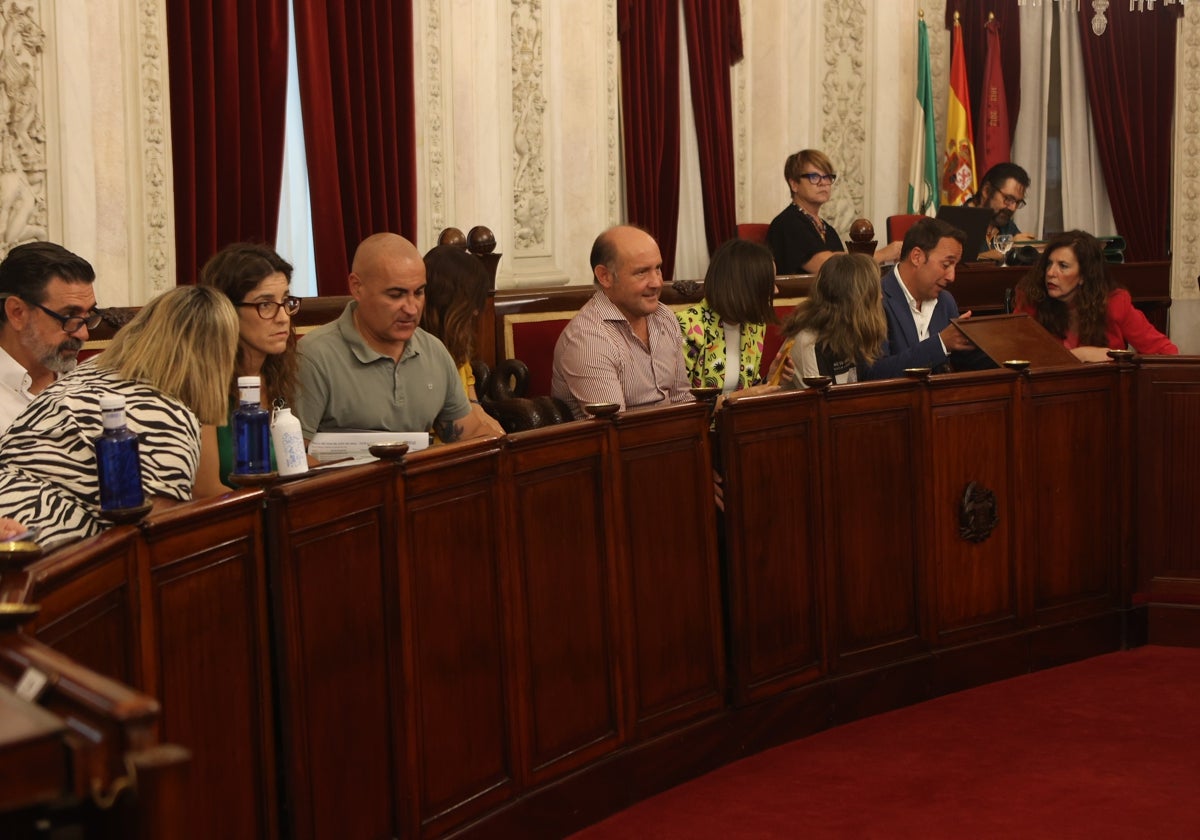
x=1071, y=293
x=798, y=237
x=258, y=282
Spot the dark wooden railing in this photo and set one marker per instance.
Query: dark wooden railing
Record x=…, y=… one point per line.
x=515, y=637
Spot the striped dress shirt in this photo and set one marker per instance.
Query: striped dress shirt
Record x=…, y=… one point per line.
x=598, y=359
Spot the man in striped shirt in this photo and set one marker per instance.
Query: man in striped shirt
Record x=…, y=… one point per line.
x=623, y=346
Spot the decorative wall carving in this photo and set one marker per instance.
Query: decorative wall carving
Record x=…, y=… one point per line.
x=23, y=210
x=530, y=204
x=741, y=142
x=157, y=236
x=434, y=129
x=1185, y=215
x=843, y=98
x=612, y=104
x=939, y=56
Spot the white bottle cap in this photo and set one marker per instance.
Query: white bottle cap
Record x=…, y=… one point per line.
x=112, y=411
x=248, y=382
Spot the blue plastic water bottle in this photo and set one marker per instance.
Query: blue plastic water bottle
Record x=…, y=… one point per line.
x=117, y=463
x=251, y=430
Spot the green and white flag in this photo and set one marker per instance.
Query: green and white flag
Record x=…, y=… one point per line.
x=923, y=166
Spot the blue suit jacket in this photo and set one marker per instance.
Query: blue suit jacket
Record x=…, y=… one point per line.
x=902, y=349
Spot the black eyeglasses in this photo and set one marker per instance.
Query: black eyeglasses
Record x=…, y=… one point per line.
x=267, y=309
x=72, y=323
x=1012, y=201
x=816, y=178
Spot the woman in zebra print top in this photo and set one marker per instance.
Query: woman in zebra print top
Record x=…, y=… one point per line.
x=172, y=363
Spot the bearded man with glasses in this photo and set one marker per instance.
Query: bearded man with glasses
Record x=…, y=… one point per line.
x=1003, y=191
x=48, y=307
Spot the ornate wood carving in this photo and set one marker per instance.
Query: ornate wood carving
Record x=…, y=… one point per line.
x=977, y=516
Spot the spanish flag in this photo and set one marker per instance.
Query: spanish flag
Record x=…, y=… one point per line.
x=958, y=171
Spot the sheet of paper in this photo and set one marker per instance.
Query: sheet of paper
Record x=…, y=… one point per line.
x=332, y=446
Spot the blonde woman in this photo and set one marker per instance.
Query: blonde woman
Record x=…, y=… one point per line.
x=172, y=364
x=840, y=328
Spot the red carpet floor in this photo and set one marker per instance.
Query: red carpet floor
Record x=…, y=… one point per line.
x=1108, y=747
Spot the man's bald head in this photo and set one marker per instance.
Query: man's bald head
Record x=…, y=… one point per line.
x=380, y=250
x=388, y=281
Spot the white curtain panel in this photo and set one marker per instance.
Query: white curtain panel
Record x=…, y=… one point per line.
x=1030, y=137
x=1084, y=195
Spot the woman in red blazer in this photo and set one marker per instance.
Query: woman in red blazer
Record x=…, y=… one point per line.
x=1072, y=294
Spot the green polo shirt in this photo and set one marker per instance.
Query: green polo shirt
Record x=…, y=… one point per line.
x=346, y=385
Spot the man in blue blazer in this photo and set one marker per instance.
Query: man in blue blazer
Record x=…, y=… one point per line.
x=919, y=307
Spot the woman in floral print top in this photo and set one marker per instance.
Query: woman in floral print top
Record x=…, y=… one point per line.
x=723, y=334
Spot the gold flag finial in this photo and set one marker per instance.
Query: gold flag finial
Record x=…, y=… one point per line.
x=956, y=18
x=991, y=16
x=921, y=14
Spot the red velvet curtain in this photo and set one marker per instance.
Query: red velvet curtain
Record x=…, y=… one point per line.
x=228, y=87
x=356, y=90
x=714, y=42
x=649, y=34
x=973, y=15
x=1130, y=72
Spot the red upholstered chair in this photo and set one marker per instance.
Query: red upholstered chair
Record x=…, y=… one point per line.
x=754, y=231
x=897, y=226
x=772, y=341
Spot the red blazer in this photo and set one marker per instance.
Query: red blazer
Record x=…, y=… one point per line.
x=1125, y=326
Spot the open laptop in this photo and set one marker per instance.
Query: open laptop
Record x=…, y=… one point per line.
x=973, y=221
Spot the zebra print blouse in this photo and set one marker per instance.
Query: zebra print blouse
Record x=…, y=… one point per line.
x=48, y=456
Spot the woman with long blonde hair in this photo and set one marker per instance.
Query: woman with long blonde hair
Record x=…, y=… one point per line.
x=840, y=328
x=172, y=364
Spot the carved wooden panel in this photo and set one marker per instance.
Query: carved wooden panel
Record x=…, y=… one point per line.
x=207, y=598
x=973, y=583
x=453, y=577
x=1167, y=447
x=88, y=595
x=1071, y=426
x=332, y=563
x=874, y=537
x=670, y=579
x=771, y=463
x=563, y=598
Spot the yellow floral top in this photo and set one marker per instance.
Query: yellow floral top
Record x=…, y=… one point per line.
x=704, y=349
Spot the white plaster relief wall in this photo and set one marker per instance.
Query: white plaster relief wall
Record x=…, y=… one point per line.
x=108, y=181
x=1185, y=212
x=517, y=129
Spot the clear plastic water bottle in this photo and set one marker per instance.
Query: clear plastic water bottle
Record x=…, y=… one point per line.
x=251, y=430
x=288, y=439
x=117, y=463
